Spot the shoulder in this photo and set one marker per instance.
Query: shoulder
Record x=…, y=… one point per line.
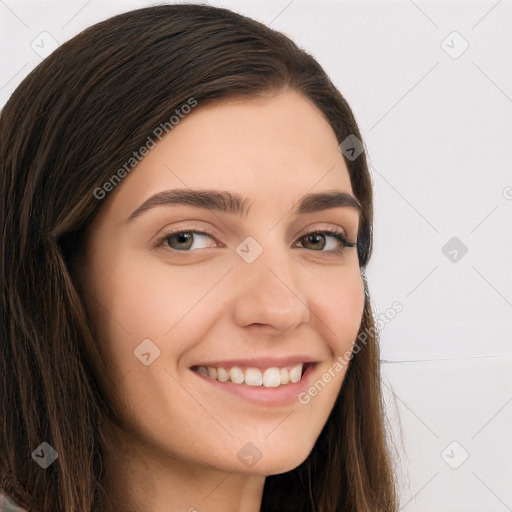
x=7, y=504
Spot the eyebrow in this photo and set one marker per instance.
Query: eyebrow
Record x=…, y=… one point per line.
x=234, y=203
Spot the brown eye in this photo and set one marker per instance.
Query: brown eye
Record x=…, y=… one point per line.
x=314, y=239
x=317, y=240
x=183, y=240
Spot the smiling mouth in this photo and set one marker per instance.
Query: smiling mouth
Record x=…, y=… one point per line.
x=271, y=377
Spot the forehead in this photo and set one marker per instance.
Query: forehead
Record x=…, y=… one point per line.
x=271, y=149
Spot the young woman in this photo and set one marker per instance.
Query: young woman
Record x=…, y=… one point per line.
x=186, y=219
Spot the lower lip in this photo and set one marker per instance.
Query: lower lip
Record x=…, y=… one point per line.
x=285, y=394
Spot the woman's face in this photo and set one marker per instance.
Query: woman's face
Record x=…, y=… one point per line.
x=251, y=291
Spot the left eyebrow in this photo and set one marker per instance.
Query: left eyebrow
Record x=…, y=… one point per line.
x=232, y=202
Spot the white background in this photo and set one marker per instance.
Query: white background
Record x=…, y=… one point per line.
x=436, y=118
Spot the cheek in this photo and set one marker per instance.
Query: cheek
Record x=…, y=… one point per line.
x=146, y=294
x=342, y=302
x=137, y=299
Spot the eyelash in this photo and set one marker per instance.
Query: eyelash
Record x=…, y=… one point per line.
x=335, y=233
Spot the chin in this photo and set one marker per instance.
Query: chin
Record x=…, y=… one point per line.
x=277, y=465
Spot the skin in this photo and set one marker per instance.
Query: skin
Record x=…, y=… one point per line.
x=178, y=449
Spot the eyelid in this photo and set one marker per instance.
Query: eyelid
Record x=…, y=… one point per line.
x=323, y=227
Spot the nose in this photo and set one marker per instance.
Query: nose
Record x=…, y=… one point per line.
x=267, y=293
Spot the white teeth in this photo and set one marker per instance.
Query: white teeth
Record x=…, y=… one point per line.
x=236, y=375
x=222, y=375
x=270, y=378
x=295, y=373
x=253, y=377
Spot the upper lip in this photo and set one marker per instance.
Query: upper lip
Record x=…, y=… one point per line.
x=262, y=362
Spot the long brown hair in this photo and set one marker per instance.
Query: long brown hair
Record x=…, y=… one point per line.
x=74, y=120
